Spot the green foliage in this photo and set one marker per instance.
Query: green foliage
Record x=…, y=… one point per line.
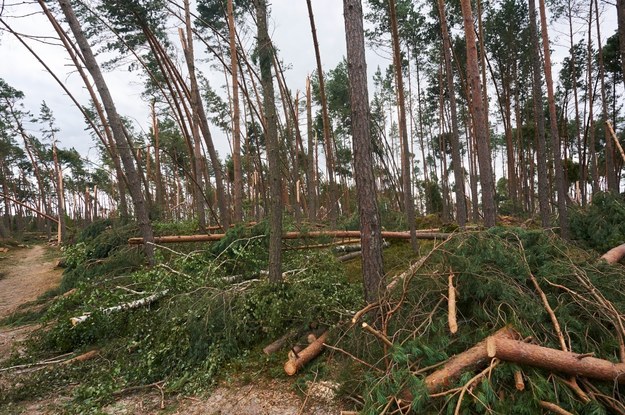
x=492, y=272
x=219, y=310
x=600, y=225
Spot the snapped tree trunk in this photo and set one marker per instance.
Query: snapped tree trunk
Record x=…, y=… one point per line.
x=236, y=127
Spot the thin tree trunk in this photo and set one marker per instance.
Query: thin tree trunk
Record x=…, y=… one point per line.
x=479, y=119
x=265, y=56
x=610, y=171
x=327, y=136
x=620, y=11
x=61, y=227
x=561, y=188
x=134, y=183
x=236, y=127
x=310, y=160
x=370, y=237
x=461, y=209
x=539, y=117
x=403, y=129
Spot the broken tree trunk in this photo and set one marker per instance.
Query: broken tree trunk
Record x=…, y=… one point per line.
x=126, y=306
x=614, y=255
x=512, y=350
x=313, y=350
x=468, y=360
x=290, y=235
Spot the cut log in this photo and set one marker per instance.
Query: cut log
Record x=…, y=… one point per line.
x=313, y=350
x=575, y=364
x=126, y=306
x=289, y=235
x=465, y=361
x=614, y=255
x=349, y=257
x=83, y=357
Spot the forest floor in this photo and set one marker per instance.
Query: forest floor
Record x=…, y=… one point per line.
x=28, y=273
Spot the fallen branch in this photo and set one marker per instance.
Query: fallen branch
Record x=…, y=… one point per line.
x=313, y=350
x=521, y=353
x=126, y=306
x=289, y=235
x=554, y=408
x=83, y=357
x=451, y=305
x=350, y=256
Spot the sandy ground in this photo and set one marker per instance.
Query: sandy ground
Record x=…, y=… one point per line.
x=24, y=276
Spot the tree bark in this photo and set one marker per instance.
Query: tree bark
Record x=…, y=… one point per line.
x=327, y=136
x=480, y=119
x=539, y=117
x=265, y=56
x=61, y=227
x=134, y=183
x=313, y=350
x=370, y=226
x=461, y=208
x=236, y=127
x=311, y=185
x=575, y=364
x=620, y=11
x=403, y=128
x=561, y=188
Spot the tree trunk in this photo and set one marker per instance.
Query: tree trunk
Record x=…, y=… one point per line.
x=327, y=136
x=403, y=128
x=370, y=235
x=610, y=171
x=236, y=127
x=575, y=364
x=480, y=119
x=134, y=183
x=265, y=57
x=620, y=11
x=539, y=117
x=461, y=209
x=61, y=227
x=310, y=159
x=561, y=187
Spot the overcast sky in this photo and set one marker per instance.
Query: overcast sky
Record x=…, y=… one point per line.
x=289, y=28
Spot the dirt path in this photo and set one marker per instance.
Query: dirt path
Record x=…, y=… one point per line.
x=24, y=276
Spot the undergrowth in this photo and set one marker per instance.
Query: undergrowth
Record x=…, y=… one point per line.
x=492, y=277
x=219, y=309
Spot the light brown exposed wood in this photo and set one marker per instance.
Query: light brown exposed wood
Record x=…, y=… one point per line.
x=518, y=380
x=614, y=255
x=554, y=408
x=515, y=351
x=451, y=306
x=313, y=350
x=289, y=235
x=465, y=361
x=615, y=138
x=83, y=357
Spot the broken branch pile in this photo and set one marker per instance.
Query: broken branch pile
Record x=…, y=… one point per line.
x=565, y=303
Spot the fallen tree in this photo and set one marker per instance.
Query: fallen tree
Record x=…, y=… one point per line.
x=126, y=306
x=614, y=255
x=288, y=235
x=575, y=364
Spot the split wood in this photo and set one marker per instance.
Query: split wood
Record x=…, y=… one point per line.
x=451, y=305
x=289, y=235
